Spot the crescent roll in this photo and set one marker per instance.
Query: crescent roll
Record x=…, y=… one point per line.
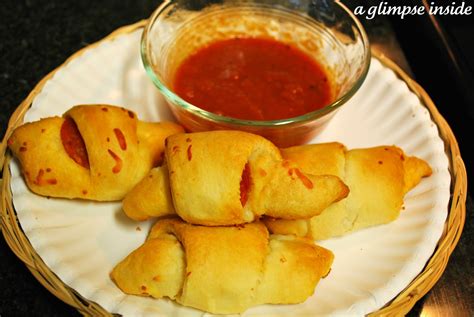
x=96, y=152
x=229, y=177
x=378, y=179
x=222, y=270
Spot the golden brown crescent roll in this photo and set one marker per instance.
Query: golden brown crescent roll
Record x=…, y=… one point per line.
x=222, y=270
x=229, y=177
x=96, y=152
x=378, y=179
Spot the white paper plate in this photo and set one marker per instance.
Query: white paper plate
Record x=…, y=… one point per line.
x=81, y=241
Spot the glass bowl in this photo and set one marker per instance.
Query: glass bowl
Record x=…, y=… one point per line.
x=324, y=30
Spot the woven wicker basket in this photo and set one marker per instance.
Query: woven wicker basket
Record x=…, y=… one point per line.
x=400, y=305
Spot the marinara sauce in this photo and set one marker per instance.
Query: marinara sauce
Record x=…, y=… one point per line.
x=254, y=79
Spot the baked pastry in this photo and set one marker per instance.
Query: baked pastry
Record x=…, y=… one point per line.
x=229, y=177
x=96, y=152
x=378, y=179
x=222, y=270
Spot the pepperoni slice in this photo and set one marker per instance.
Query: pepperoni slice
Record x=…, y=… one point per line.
x=73, y=143
x=245, y=183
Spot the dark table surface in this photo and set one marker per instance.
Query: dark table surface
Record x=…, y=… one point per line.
x=37, y=36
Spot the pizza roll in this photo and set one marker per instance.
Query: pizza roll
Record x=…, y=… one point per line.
x=96, y=152
x=378, y=179
x=229, y=177
x=222, y=270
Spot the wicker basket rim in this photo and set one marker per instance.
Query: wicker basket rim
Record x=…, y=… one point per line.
x=400, y=305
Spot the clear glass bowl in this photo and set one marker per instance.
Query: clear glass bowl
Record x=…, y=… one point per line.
x=325, y=30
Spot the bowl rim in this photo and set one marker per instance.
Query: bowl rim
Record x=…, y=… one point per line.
x=213, y=117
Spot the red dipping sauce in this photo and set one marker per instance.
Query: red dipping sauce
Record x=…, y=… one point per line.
x=253, y=79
